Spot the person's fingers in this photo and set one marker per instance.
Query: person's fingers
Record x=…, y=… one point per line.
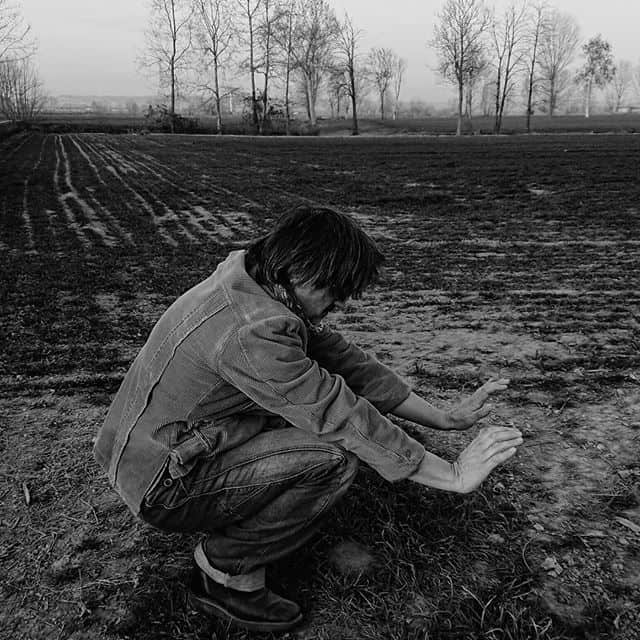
x=502, y=456
x=481, y=395
x=502, y=444
x=493, y=385
x=497, y=432
x=482, y=412
x=492, y=439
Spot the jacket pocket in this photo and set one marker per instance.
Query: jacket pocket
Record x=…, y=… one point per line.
x=200, y=439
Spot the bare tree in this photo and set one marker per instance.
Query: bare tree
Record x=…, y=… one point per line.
x=216, y=20
x=337, y=91
x=399, y=69
x=382, y=62
x=598, y=68
x=476, y=74
x=537, y=22
x=621, y=82
x=635, y=79
x=267, y=27
x=250, y=14
x=21, y=94
x=315, y=31
x=508, y=39
x=557, y=48
x=168, y=44
x=283, y=35
x=458, y=42
x=15, y=35
x=347, y=65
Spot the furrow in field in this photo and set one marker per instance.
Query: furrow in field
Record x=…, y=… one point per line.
x=73, y=223
x=193, y=215
x=48, y=237
x=144, y=197
x=106, y=214
x=26, y=210
x=132, y=188
x=94, y=222
x=21, y=141
x=118, y=160
x=161, y=169
x=10, y=203
x=88, y=160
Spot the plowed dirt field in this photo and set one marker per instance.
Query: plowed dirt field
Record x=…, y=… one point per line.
x=511, y=256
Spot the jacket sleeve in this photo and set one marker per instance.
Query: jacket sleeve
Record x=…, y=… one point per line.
x=266, y=360
x=367, y=376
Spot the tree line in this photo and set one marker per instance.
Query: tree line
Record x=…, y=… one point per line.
x=289, y=51
x=295, y=47
x=284, y=48
x=529, y=48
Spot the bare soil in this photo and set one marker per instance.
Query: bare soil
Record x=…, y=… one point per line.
x=516, y=257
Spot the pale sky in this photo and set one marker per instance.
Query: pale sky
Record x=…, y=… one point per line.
x=88, y=47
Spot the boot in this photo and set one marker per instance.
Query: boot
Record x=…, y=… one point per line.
x=260, y=610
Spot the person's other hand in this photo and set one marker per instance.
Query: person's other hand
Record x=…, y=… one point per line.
x=491, y=447
x=473, y=408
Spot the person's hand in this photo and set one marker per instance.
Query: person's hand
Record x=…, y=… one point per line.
x=491, y=447
x=473, y=408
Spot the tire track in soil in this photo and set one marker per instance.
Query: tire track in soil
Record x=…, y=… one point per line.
x=18, y=229
x=84, y=219
x=21, y=142
x=203, y=180
x=119, y=233
x=43, y=202
x=145, y=203
x=194, y=213
x=188, y=221
x=26, y=215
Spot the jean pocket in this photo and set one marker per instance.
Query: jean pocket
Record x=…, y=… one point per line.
x=166, y=491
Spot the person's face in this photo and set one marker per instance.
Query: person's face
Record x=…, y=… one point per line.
x=316, y=303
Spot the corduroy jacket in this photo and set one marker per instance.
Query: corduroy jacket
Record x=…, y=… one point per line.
x=225, y=360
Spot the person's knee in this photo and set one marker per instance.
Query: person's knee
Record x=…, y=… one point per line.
x=350, y=466
x=341, y=467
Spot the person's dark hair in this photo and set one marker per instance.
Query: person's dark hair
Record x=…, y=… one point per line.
x=320, y=247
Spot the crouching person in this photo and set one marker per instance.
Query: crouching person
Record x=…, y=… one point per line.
x=245, y=418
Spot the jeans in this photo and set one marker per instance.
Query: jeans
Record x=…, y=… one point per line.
x=257, y=502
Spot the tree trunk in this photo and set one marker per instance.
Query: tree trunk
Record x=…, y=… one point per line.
x=311, y=104
x=530, y=97
x=460, y=104
x=287, y=109
x=254, y=102
x=496, y=119
x=587, y=98
x=216, y=95
x=172, y=110
x=354, y=115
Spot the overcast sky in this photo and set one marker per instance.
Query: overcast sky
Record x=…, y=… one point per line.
x=88, y=47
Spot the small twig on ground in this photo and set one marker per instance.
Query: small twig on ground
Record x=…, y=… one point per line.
x=524, y=559
x=93, y=511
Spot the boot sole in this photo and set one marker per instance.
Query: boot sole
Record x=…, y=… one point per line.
x=211, y=608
